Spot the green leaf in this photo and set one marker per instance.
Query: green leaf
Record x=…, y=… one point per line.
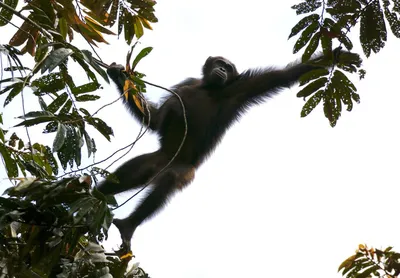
x=307, y=6
x=50, y=83
x=143, y=53
x=63, y=25
x=42, y=103
x=34, y=114
x=86, y=88
x=60, y=137
x=88, y=58
x=367, y=272
x=36, y=121
x=55, y=58
x=392, y=18
x=311, y=75
x=312, y=87
x=101, y=126
x=6, y=15
x=312, y=46
x=303, y=23
x=138, y=27
x=373, y=33
x=66, y=108
x=312, y=103
x=87, y=98
x=11, y=165
x=57, y=103
x=306, y=36
x=17, y=88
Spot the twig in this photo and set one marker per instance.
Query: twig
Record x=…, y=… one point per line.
x=177, y=151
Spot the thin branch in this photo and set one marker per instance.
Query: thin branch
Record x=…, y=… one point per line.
x=177, y=151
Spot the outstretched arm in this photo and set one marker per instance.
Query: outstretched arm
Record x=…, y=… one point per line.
x=253, y=85
x=117, y=75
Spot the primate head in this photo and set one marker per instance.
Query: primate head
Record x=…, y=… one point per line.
x=117, y=74
x=218, y=71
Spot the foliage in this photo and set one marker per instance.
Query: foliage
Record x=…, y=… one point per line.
x=371, y=262
x=328, y=21
x=53, y=221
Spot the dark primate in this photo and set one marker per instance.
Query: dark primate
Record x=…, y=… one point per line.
x=212, y=104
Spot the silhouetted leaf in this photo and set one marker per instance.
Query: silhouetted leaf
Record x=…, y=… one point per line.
x=372, y=28
x=312, y=103
x=303, y=23
x=312, y=87
x=306, y=36
x=307, y=6
x=314, y=74
x=312, y=46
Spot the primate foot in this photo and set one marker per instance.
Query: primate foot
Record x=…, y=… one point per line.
x=126, y=230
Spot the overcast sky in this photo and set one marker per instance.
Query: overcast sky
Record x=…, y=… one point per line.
x=282, y=195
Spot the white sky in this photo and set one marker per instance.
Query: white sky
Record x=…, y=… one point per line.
x=282, y=196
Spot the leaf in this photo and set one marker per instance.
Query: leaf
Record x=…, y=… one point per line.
x=42, y=104
x=36, y=121
x=129, y=28
x=305, y=36
x=87, y=98
x=17, y=88
x=367, y=272
x=55, y=58
x=138, y=26
x=307, y=7
x=67, y=106
x=34, y=114
x=86, y=88
x=88, y=58
x=146, y=24
x=63, y=26
x=101, y=126
x=60, y=137
x=143, y=53
x=373, y=33
x=312, y=46
x=312, y=87
x=312, y=103
x=311, y=75
x=11, y=165
x=57, y=103
x=6, y=15
x=50, y=83
x=303, y=23
x=392, y=18
x=96, y=26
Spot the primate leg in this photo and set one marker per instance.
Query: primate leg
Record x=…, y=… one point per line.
x=176, y=177
x=134, y=173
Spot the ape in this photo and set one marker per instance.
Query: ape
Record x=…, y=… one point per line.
x=212, y=104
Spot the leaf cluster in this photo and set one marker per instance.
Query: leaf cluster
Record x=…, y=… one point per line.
x=327, y=22
x=55, y=21
x=371, y=262
x=46, y=225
